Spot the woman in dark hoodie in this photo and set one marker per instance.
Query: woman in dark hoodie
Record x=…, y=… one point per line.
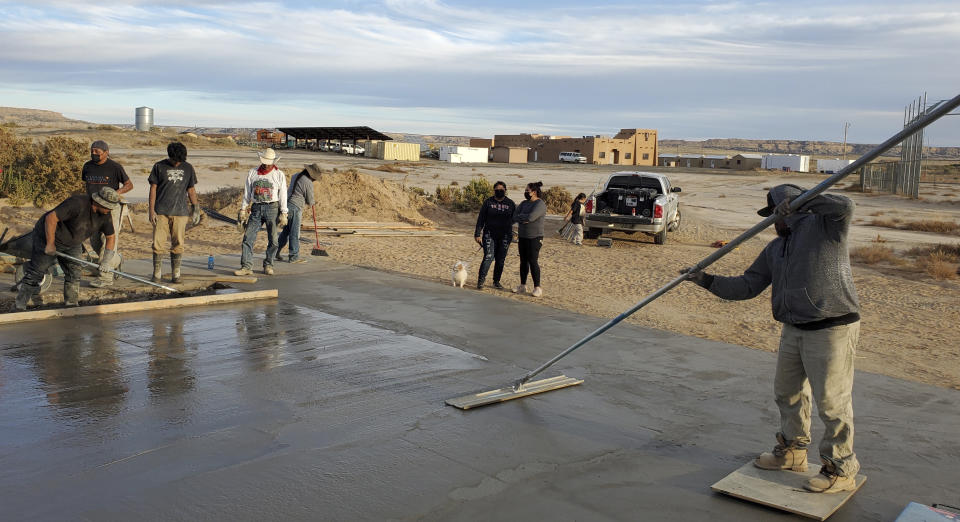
x=494, y=232
x=529, y=216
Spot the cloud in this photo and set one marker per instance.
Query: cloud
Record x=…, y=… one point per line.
x=539, y=62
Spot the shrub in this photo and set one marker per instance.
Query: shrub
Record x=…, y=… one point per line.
x=41, y=173
x=938, y=264
x=418, y=191
x=474, y=194
x=558, y=199
x=234, y=165
x=873, y=254
x=221, y=198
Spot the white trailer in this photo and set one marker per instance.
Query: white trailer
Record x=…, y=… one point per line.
x=831, y=166
x=456, y=154
x=787, y=162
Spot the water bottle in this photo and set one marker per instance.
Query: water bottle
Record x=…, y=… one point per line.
x=210, y=262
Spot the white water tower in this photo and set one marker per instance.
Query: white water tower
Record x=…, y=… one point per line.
x=144, y=119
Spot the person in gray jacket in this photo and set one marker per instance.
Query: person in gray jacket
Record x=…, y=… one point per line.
x=813, y=295
x=529, y=217
x=299, y=197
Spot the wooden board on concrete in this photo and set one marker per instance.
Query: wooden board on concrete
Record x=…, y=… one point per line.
x=784, y=490
x=138, y=306
x=222, y=278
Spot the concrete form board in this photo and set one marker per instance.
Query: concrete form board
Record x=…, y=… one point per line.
x=329, y=405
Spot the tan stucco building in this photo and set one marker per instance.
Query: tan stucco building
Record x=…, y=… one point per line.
x=628, y=147
x=746, y=161
x=509, y=154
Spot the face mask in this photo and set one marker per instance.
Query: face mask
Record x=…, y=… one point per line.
x=95, y=157
x=499, y=193
x=526, y=194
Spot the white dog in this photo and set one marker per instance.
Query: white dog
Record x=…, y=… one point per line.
x=459, y=274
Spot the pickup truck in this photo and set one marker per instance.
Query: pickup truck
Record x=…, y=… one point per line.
x=634, y=202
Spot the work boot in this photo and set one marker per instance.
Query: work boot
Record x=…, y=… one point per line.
x=784, y=456
x=24, y=296
x=71, y=293
x=827, y=481
x=175, y=267
x=244, y=271
x=268, y=269
x=157, y=268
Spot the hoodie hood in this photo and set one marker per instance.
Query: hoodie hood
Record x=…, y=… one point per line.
x=778, y=194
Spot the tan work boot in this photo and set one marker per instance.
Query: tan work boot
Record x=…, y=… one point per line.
x=784, y=456
x=827, y=481
x=268, y=270
x=243, y=272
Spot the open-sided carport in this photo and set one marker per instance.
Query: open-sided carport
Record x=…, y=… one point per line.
x=338, y=134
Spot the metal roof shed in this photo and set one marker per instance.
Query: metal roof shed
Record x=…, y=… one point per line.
x=340, y=134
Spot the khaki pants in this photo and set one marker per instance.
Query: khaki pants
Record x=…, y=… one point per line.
x=819, y=362
x=172, y=226
x=578, y=234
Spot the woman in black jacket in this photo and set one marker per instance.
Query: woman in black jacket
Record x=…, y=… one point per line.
x=494, y=232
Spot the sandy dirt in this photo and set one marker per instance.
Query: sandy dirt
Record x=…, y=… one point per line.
x=910, y=320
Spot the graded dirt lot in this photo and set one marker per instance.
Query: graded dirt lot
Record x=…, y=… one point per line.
x=910, y=319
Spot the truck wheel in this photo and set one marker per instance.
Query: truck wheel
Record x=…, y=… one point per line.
x=592, y=233
x=675, y=225
x=660, y=237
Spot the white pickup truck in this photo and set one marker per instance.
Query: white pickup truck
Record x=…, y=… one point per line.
x=634, y=202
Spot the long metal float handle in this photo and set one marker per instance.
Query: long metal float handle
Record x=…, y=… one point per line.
x=119, y=273
x=932, y=115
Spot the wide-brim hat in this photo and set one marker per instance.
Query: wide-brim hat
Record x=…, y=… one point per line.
x=268, y=157
x=107, y=198
x=313, y=171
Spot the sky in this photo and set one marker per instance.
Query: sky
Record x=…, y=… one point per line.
x=690, y=69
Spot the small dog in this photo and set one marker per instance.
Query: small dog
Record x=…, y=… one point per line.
x=459, y=274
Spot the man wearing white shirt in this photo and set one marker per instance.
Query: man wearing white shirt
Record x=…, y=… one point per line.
x=264, y=202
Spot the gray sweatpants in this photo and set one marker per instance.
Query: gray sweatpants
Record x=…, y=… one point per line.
x=821, y=362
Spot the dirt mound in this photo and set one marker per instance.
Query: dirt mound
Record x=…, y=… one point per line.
x=353, y=196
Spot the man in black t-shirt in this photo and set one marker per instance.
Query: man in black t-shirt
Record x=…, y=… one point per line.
x=171, y=188
x=99, y=172
x=64, y=229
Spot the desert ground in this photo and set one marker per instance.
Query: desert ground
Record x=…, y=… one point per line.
x=911, y=318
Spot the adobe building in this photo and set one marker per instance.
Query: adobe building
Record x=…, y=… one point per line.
x=746, y=161
x=481, y=142
x=503, y=154
x=628, y=147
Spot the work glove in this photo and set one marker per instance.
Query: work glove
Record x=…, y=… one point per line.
x=699, y=277
x=195, y=214
x=242, y=217
x=106, y=260
x=50, y=250
x=783, y=208
x=282, y=220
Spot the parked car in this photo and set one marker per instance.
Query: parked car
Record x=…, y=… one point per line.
x=634, y=202
x=572, y=157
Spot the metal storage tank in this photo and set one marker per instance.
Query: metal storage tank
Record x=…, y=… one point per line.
x=144, y=119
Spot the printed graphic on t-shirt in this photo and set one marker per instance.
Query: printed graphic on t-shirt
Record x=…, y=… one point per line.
x=174, y=175
x=500, y=207
x=262, y=191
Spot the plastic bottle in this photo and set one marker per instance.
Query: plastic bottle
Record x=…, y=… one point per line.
x=210, y=262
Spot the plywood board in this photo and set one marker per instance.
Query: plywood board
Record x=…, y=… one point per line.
x=784, y=490
x=139, y=306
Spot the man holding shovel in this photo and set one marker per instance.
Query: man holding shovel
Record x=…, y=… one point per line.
x=299, y=197
x=64, y=229
x=813, y=296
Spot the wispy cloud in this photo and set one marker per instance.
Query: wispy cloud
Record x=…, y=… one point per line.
x=559, y=64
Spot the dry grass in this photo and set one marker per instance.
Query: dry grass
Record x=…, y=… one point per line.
x=874, y=254
x=938, y=265
x=235, y=165
x=926, y=225
x=221, y=198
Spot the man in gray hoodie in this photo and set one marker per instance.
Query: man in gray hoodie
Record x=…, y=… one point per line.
x=299, y=197
x=813, y=295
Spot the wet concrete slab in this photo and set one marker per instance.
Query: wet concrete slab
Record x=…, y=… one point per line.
x=328, y=404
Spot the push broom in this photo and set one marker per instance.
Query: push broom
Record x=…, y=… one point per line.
x=523, y=386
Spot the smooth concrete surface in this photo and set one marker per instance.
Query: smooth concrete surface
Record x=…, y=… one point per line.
x=328, y=405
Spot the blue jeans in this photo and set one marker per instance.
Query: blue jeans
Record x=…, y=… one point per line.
x=265, y=214
x=291, y=232
x=494, y=249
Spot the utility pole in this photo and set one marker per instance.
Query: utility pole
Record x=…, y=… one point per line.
x=846, y=125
